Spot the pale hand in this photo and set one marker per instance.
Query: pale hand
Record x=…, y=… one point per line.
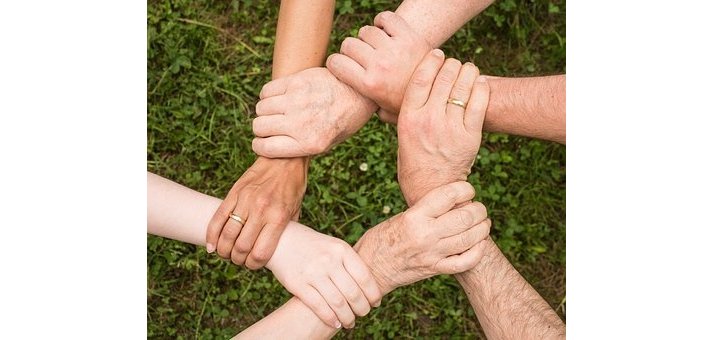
x=306, y=114
x=326, y=274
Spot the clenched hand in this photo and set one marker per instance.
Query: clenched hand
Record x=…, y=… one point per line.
x=307, y=113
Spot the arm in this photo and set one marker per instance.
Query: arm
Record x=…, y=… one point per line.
x=317, y=111
x=380, y=69
x=325, y=273
x=533, y=107
x=177, y=212
x=302, y=35
x=506, y=305
x=270, y=193
x=433, y=237
x=437, y=22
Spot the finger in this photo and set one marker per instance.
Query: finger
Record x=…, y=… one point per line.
x=387, y=117
x=278, y=147
x=268, y=126
x=336, y=300
x=460, y=263
x=351, y=291
x=313, y=300
x=265, y=245
x=271, y=106
x=392, y=24
x=441, y=199
x=219, y=219
x=347, y=70
x=444, y=82
x=232, y=228
x=245, y=241
x=373, y=36
x=359, y=271
x=477, y=106
x=422, y=79
x=228, y=237
x=357, y=50
x=274, y=88
x=461, y=91
x=458, y=244
x=459, y=220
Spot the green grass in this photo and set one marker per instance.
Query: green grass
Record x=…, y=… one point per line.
x=207, y=61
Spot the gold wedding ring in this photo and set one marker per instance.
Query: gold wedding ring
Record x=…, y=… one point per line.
x=237, y=218
x=456, y=102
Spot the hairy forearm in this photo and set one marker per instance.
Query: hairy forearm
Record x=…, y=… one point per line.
x=436, y=21
x=531, y=107
x=506, y=305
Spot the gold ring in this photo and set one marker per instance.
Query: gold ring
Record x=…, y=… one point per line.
x=237, y=218
x=456, y=102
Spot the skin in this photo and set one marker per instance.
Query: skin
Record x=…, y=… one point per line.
x=324, y=272
x=431, y=234
x=505, y=304
x=333, y=113
x=448, y=136
x=269, y=194
x=433, y=237
x=379, y=65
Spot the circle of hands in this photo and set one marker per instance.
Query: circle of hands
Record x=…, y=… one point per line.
x=390, y=69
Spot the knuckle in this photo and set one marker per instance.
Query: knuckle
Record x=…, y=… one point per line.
x=362, y=31
x=261, y=254
x=224, y=251
x=261, y=202
x=353, y=296
x=337, y=301
x=421, y=79
x=347, y=45
x=445, y=77
x=466, y=216
x=243, y=247
x=372, y=83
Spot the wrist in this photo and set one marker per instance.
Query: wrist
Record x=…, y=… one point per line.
x=377, y=267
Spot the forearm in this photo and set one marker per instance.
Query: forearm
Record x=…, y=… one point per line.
x=293, y=320
x=177, y=212
x=301, y=39
x=437, y=22
x=506, y=305
x=531, y=107
x=302, y=35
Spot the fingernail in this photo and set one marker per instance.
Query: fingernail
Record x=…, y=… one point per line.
x=437, y=52
x=379, y=303
x=210, y=248
x=481, y=79
x=338, y=325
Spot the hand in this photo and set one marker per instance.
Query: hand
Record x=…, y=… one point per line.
x=307, y=113
x=326, y=274
x=265, y=197
x=379, y=64
x=438, y=141
x=432, y=237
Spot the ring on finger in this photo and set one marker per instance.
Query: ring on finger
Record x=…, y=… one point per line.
x=456, y=102
x=237, y=218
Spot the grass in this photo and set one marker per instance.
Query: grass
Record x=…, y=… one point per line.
x=207, y=61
